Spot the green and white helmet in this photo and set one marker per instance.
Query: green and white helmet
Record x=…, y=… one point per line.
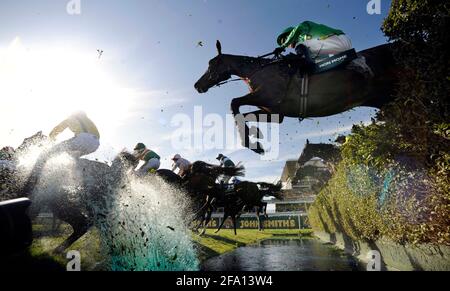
x=140, y=147
x=282, y=37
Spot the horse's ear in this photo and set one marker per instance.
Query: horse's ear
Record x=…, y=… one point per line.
x=219, y=47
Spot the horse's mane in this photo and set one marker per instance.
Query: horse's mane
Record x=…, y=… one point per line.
x=248, y=60
x=36, y=140
x=215, y=171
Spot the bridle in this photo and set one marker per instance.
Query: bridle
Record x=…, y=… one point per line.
x=254, y=72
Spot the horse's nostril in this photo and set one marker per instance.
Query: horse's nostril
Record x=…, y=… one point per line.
x=199, y=90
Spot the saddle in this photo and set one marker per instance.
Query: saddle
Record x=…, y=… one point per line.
x=300, y=78
x=348, y=58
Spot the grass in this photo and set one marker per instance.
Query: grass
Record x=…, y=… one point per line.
x=211, y=244
x=40, y=256
x=45, y=242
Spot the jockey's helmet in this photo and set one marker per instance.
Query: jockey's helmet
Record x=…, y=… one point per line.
x=282, y=37
x=176, y=157
x=140, y=147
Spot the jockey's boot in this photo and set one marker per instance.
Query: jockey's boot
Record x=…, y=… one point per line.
x=294, y=63
x=307, y=63
x=299, y=64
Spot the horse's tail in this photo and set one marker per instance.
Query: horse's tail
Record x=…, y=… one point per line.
x=269, y=189
x=216, y=171
x=236, y=171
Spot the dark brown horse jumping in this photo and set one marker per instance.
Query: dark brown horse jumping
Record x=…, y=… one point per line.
x=277, y=92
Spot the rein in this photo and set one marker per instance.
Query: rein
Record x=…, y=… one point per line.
x=226, y=82
x=240, y=79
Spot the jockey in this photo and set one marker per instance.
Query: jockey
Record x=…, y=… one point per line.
x=225, y=162
x=313, y=41
x=152, y=160
x=85, y=142
x=182, y=164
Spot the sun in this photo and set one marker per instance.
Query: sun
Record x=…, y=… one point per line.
x=40, y=86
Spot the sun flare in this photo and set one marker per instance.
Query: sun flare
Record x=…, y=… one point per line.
x=39, y=86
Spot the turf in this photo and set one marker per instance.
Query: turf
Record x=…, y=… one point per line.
x=39, y=257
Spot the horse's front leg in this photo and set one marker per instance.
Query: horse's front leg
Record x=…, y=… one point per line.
x=207, y=220
x=258, y=218
x=262, y=116
x=244, y=130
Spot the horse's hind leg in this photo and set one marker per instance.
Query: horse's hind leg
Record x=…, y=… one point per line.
x=76, y=235
x=198, y=219
x=258, y=218
x=265, y=210
x=225, y=216
x=233, y=218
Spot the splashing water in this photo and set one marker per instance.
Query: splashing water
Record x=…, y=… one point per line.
x=142, y=224
x=144, y=228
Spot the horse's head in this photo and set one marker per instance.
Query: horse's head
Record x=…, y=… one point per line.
x=219, y=70
x=327, y=152
x=36, y=140
x=276, y=191
x=125, y=161
x=272, y=189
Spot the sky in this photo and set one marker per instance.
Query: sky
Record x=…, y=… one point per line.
x=143, y=81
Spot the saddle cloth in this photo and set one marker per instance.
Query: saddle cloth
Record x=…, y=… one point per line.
x=350, y=59
x=335, y=61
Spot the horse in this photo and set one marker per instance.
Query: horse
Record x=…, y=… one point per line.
x=97, y=180
x=278, y=93
x=75, y=210
x=198, y=183
x=246, y=195
x=330, y=154
x=12, y=177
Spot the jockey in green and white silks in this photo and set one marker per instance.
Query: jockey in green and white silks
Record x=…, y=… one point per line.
x=152, y=160
x=314, y=41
